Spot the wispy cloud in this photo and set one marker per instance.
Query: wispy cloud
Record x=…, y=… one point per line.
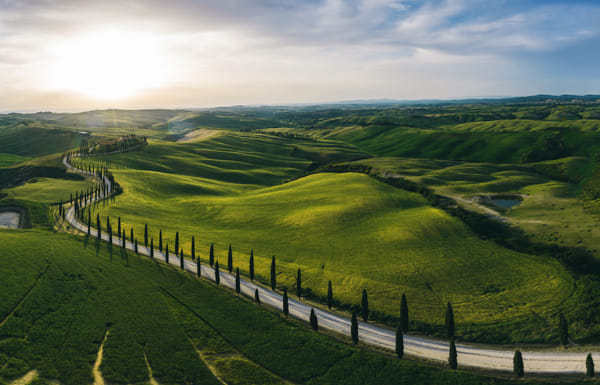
x=323, y=49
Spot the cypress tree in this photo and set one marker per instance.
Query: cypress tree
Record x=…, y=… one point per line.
x=133, y=239
x=256, y=296
x=452, y=357
x=251, y=267
x=167, y=253
x=193, y=248
x=136, y=246
x=237, y=281
x=399, y=342
x=160, y=241
x=286, y=306
x=518, y=367
x=329, y=295
x=217, y=274
x=449, y=321
x=229, y=260
x=123, y=239
x=314, y=323
x=273, y=274
x=176, y=241
x=89, y=225
x=364, y=305
x=299, y=284
x=181, y=260
x=563, y=330
x=151, y=247
x=198, y=271
x=589, y=365
x=146, y=235
x=211, y=256
x=109, y=231
x=119, y=226
x=98, y=225
x=354, y=328
x=404, y=314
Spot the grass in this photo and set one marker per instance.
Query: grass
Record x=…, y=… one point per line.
x=550, y=211
x=64, y=294
x=47, y=190
x=348, y=228
x=10, y=159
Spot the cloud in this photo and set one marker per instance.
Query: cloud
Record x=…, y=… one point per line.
x=230, y=50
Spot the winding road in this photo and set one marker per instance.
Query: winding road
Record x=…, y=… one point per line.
x=377, y=336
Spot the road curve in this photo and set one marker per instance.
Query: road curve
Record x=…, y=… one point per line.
x=381, y=337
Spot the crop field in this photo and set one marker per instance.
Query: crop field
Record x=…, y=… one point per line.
x=347, y=228
x=62, y=296
x=265, y=182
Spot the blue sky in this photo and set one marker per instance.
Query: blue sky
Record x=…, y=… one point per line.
x=72, y=54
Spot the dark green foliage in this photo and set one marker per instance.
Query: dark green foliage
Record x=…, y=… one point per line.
x=146, y=235
x=404, y=314
x=211, y=255
x=229, y=260
x=193, y=249
x=364, y=305
x=123, y=239
x=89, y=225
x=563, y=330
x=217, y=274
x=256, y=296
x=273, y=274
x=160, y=241
x=449, y=323
x=237, y=280
x=518, y=367
x=151, y=247
x=354, y=328
x=181, y=265
x=198, y=267
x=176, y=241
x=251, y=265
x=98, y=226
x=131, y=234
x=135, y=246
x=314, y=323
x=299, y=284
x=329, y=295
x=286, y=306
x=167, y=254
x=452, y=356
x=589, y=365
x=399, y=342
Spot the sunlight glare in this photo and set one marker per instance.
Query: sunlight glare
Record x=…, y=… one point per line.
x=108, y=65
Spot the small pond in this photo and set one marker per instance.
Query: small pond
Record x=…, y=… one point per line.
x=10, y=219
x=505, y=203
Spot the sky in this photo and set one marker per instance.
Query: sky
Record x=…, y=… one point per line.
x=68, y=55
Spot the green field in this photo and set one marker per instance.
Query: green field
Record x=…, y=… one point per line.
x=348, y=228
x=250, y=178
x=59, y=296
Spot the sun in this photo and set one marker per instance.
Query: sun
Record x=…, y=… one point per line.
x=108, y=64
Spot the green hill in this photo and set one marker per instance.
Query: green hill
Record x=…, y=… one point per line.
x=348, y=228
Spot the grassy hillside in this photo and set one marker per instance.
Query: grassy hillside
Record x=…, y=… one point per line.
x=348, y=228
x=35, y=139
x=63, y=295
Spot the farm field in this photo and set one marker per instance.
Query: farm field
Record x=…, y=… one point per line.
x=339, y=228
x=261, y=187
x=63, y=295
